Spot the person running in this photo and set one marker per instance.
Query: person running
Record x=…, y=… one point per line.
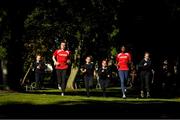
x=88, y=72
x=39, y=69
x=61, y=59
x=104, y=75
x=145, y=67
x=123, y=60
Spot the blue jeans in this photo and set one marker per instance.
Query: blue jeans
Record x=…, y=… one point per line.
x=123, y=74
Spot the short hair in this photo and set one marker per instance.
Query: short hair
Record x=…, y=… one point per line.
x=38, y=54
x=63, y=42
x=104, y=60
x=91, y=58
x=123, y=46
x=146, y=53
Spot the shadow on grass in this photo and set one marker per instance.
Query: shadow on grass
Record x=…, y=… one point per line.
x=92, y=109
x=112, y=92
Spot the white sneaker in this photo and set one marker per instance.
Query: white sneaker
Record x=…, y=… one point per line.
x=62, y=94
x=125, y=90
x=59, y=87
x=124, y=96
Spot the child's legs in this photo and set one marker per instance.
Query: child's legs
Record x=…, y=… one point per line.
x=102, y=83
x=86, y=80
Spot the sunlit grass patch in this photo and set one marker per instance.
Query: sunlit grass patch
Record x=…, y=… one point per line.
x=53, y=96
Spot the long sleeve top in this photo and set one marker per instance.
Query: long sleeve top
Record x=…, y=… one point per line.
x=103, y=72
x=39, y=66
x=145, y=65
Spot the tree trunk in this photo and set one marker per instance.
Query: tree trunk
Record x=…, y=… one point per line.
x=4, y=74
x=75, y=67
x=1, y=78
x=71, y=79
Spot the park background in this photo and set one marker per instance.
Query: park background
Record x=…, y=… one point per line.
x=91, y=27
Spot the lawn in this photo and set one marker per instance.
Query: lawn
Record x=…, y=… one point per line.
x=49, y=103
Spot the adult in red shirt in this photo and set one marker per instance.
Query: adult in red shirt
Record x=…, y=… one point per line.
x=123, y=59
x=61, y=61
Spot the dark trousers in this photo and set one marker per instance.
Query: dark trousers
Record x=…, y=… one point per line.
x=61, y=78
x=39, y=76
x=88, y=83
x=145, y=77
x=104, y=84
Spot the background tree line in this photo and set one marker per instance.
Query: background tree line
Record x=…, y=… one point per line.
x=91, y=27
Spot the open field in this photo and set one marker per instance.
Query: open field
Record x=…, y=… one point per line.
x=49, y=103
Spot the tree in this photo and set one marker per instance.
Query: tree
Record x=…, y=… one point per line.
x=82, y=23
x=3, y=67
x=37, y=26
x=11, y=27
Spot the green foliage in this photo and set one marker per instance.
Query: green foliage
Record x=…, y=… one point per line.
x=114, y=32
x=3, y=52
x=30, y=21
x=5, y=31
x=3, y=14
x=38, y=37
x=91, y=27
x=84, y=26
x=113, y=51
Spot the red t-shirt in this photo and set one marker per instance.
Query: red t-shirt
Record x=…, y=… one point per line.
x=123, y=59
x=62, y=56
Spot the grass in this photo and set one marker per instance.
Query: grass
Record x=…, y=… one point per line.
x=53, y=96
x=49, y=103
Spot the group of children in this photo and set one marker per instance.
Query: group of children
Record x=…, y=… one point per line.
x=125, y=69
x=88, y=73
x=61, y=59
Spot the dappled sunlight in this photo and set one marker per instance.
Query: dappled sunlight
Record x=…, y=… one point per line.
x=53, y=96
x=75, y=104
